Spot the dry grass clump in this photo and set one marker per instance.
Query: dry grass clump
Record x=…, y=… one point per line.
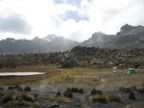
x=20, y=96
x=27, y=88
x=94, y=91
x=27, y=97
x=114, y=98
x=10, y=96
x=99, y=98
x=23, y=103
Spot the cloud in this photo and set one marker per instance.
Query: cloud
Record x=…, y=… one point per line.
x=13, y=23
x=75, y=19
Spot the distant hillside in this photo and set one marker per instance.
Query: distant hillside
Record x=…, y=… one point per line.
x=50, y=43
x=98, y=39
x=128, y=37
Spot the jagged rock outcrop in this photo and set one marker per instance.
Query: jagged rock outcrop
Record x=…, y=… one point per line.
x=98, y=39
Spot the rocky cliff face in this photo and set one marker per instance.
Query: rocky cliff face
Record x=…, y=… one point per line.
x=98, y=39
x=129, y=36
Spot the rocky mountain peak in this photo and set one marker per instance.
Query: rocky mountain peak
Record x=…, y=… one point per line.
x=97, y=34
x=126, y=27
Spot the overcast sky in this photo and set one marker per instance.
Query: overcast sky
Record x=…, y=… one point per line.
x=74, y=19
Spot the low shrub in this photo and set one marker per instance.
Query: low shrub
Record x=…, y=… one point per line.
x=131, y=96
x=80, y=90
x=114, y=98
x=15, y=87
x=27, y=88
x=125, y=90
x=99, y=98
x=75, y=90
x=10, y=88
x=18, y=88
x=8, y=97
x=94, y=91
x=28, y=97
x=58, y=94
x=141, y=90
x=68, y=94
x=1, y=88
x=133, y=87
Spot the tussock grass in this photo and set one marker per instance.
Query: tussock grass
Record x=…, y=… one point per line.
x=99, y=98
x=114, y=98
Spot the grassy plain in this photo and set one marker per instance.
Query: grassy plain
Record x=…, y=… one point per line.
x=74, y=77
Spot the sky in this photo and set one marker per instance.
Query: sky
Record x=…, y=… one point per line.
x=73, y=19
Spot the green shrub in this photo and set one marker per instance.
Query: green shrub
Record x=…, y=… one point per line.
x=114, y=98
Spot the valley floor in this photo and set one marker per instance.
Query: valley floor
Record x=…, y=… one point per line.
x=115, y=88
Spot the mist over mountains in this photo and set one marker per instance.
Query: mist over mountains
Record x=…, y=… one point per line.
x=128, y=37
x=50, y=43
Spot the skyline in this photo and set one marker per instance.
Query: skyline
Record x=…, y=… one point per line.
x=73, y=19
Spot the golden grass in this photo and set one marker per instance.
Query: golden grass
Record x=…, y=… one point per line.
x=70, y=77
x=49, y=72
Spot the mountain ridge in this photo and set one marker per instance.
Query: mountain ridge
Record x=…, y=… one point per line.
x=50, y=43
x=128, y=37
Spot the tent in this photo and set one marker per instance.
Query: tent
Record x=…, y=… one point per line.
x=131, y=70
x=115, y=69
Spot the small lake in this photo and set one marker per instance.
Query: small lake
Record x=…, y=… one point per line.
x=20, y=73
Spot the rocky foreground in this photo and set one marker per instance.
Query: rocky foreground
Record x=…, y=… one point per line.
x=36, y=96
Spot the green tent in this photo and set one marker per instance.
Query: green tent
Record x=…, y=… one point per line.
x=131, y=70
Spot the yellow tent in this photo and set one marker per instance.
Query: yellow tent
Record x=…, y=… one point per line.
x=115, y=69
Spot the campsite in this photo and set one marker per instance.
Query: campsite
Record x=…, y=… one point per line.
x=75, y=79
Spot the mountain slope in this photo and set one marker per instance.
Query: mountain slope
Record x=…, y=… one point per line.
x=50, y=43
x=129, y=36
x=98, y=39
